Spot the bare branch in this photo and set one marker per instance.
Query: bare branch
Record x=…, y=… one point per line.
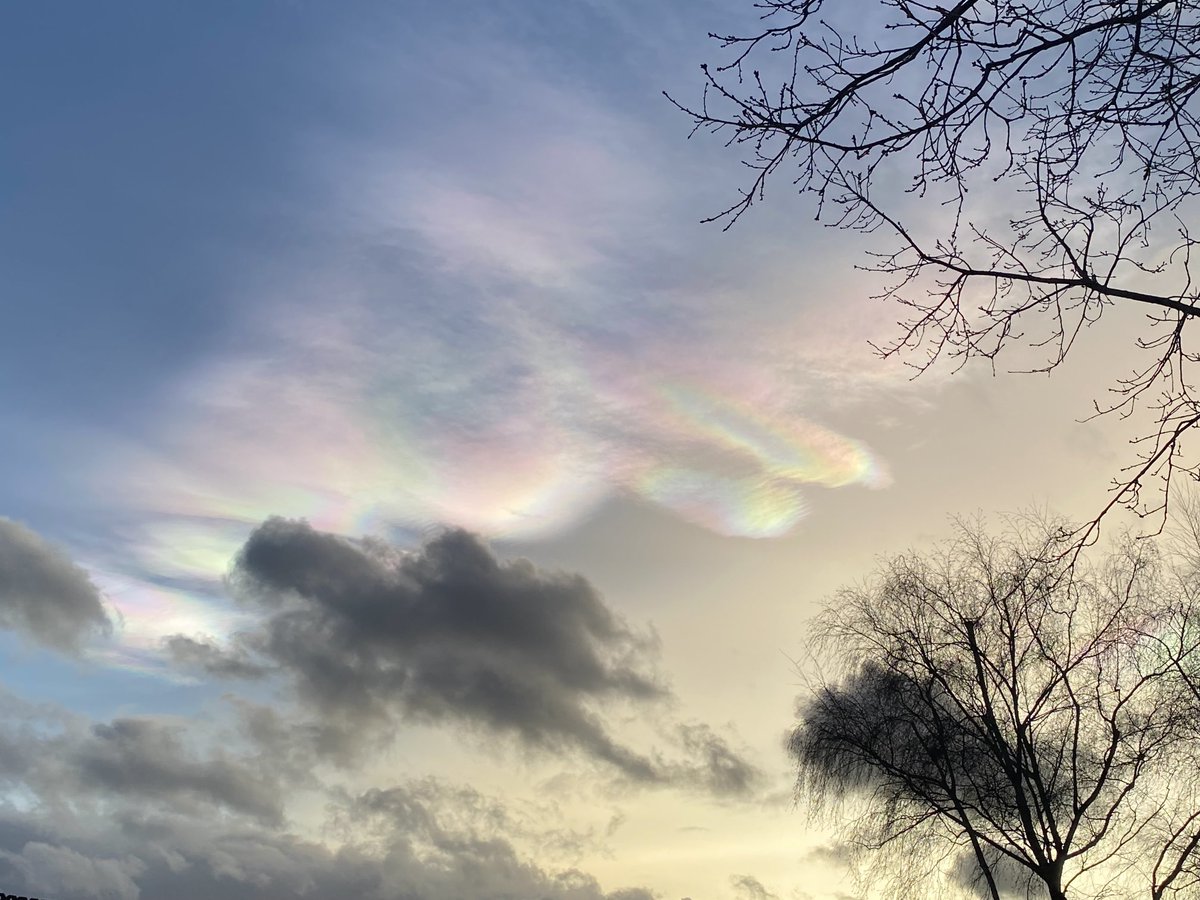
x=1082, y=117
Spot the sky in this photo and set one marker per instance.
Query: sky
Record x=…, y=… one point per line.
x=404, y=494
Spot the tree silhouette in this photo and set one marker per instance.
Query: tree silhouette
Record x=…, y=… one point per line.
x=1030, y=718
x=1076, y=120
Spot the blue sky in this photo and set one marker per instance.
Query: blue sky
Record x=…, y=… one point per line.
x=395, y=268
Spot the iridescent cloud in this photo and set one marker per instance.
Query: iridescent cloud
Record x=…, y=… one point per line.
x=524, y=434
x=147, y=614
x=500, y=360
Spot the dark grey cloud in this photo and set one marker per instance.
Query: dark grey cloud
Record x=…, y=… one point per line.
x=294, y=749
x=163, y=761
x=202, y=655
x=836, y=854
x=95, y=831
x=441, y=815
x=132, y=810
x=148, y=758
x=714, y=766
x=43, y=594
x=142, y=854
x=25, y=736
x=53, y=871
x=750, y=888
x=371, y=636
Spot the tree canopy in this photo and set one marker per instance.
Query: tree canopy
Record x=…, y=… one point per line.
x=1029, y=721
x=1057, y=142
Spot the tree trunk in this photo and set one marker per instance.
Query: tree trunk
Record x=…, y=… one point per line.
x=1052, y=876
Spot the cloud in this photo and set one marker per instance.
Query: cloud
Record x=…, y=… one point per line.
x=44, y=595
x=751, y=888
x=369, y=636
x=718, y=769
x=142, y=852
x=504, y=340
x=145, y=757
x=836, y=855
x=447, y=633
x=47, y=750
x=59, y=872
x=130, y=810
x=440, y=813
x=193, y=653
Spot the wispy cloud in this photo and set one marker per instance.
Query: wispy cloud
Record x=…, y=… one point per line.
x=501, y=336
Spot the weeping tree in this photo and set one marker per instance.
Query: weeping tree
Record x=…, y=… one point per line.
x=1029, y=723
x=1032, y=164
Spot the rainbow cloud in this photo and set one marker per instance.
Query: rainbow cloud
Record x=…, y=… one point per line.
x=758, y=493
x=508, y=453
x=502, y=418
x=503, y=363
x=147, y=613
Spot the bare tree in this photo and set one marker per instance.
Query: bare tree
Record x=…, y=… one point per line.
x=1078, y=117
x=1033, y=716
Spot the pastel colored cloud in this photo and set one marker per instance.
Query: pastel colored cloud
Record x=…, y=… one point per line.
x=499, y=343
x=518, y=438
